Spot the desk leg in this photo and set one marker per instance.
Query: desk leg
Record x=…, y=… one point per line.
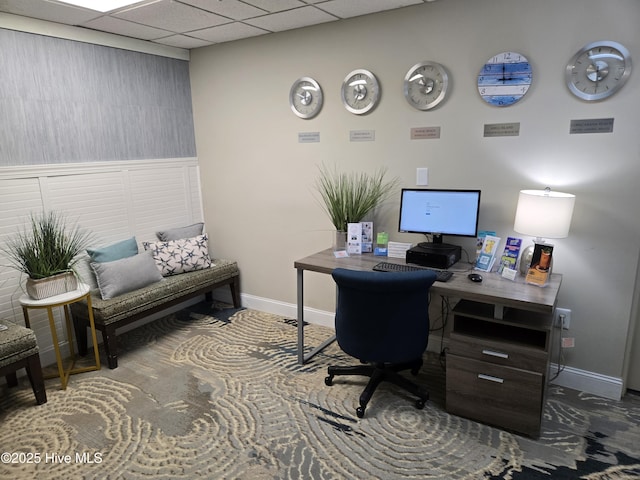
x=300, y=316
x=302, y=358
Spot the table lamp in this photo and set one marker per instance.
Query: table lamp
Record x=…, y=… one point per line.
x=542, y=214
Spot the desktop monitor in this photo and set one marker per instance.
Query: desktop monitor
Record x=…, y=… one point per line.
x=439, y=212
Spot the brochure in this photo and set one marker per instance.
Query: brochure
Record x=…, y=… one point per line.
x=510, y=254
x=354, y=238
x=367, y=237
x=480, y=239
x=488, y=253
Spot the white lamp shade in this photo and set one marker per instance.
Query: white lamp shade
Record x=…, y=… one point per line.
x=544, y=214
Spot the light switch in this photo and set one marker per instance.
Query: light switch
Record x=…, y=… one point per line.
x=422, y=176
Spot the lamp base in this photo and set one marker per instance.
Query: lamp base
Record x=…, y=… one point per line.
x=525, y=259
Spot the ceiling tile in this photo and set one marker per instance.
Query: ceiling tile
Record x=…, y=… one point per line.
x=354, y=8
x=173, y=16
x=202, y=22
x=300, y=17
x=183, y=41
x=276, y=5
x=228, y=32
x=44, y=10
x=228, y=8
x=123, y=27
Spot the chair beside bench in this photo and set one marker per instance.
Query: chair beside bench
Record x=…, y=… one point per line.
x=19, y=349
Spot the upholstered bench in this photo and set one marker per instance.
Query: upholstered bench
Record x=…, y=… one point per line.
x=19, y=349
x=121, y=310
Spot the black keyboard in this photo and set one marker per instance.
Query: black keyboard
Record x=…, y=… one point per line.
x=443, y=275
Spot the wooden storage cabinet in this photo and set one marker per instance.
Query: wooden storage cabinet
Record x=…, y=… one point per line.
x=498, y=368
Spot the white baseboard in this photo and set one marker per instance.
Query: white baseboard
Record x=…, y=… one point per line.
x=589, y=382
x=289, y=310
x=582, y=380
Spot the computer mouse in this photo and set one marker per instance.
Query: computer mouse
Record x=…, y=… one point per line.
x=475, y=277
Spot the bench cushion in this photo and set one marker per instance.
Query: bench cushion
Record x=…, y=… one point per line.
x=16, y=343
x=172, y=288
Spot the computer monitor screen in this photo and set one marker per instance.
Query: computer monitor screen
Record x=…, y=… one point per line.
x=440, y=212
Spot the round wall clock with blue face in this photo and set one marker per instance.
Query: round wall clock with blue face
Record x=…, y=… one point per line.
x=504, y=79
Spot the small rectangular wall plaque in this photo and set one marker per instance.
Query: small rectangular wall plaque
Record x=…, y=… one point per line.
x=502, y=129
x=592, y=125
x=362, y=135
x=425, y=133
x=308, y=137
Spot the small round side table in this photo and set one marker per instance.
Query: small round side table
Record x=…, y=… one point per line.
x=64, y=300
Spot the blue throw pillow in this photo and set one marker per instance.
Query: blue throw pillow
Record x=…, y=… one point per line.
x=116, y=251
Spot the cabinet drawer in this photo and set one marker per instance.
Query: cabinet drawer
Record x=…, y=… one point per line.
x=499, y=353
x=506, y=397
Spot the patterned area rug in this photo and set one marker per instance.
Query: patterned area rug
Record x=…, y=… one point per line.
x=212, y=392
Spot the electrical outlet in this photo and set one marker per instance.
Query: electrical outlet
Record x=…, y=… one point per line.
x=565, y=315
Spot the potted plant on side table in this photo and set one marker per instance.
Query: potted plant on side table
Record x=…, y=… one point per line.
x=46, y=251
x=348, y=197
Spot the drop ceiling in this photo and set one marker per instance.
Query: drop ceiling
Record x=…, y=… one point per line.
x=191, y=24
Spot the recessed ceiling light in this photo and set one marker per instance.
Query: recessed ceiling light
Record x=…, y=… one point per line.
x=100, y=5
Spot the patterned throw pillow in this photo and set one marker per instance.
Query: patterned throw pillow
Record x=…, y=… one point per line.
x=180, y=256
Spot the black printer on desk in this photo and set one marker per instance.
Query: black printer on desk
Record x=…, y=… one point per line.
x=435, y=255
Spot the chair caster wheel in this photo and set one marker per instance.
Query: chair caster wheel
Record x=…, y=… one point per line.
x=360, y=412
x=328, y=380
x=420, y=404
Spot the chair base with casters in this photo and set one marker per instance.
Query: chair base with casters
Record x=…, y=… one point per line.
x=382, y=319
x=379, y=373
x=19, y=349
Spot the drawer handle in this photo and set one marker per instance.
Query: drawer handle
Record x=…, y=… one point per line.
x=495, y=354
x=482, y=376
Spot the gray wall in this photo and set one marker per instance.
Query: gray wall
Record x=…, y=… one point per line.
x=258, y=180
x=63, y=101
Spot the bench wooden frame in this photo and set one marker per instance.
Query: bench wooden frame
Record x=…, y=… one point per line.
x=109, y=330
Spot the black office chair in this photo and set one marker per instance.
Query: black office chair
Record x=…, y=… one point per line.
x=382, y=319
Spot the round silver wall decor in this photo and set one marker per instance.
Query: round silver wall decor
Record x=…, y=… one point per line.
x=305, y=97
x=360, y=91
x=598, y=70
x=425, y=85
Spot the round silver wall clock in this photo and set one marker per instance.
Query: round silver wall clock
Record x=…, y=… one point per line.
x=305, y=97
x=425, y=85
x=598, y=70
x=504, y=79
x=360, y=91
